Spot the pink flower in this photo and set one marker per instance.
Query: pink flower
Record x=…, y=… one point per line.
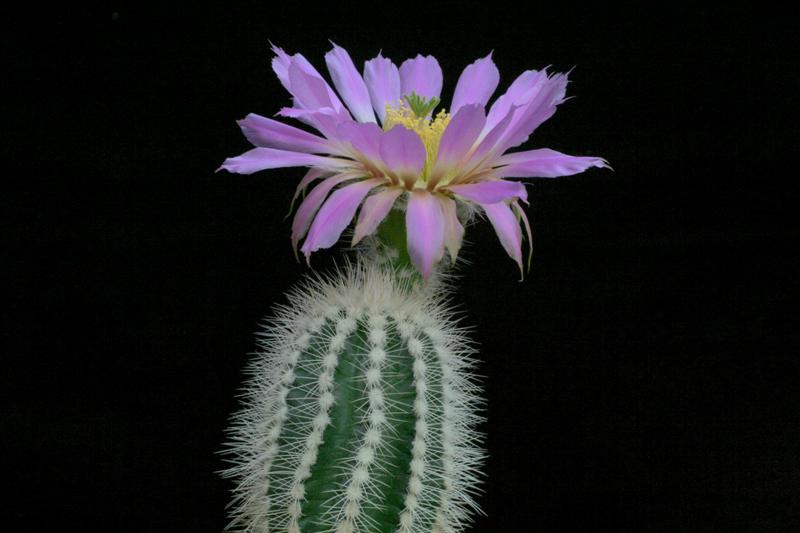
x=379, y=142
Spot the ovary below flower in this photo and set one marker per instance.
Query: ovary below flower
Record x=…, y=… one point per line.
x=434, y=160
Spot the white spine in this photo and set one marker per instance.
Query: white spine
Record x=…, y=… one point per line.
x=419, y=444
x=344, y=326
x=359, y=487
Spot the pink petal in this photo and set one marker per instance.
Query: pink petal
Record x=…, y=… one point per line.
x=310, y=91
x=281, y=65
x=365, y=138
x=487, y=141
x=422, y=75
x=519, y=93
x=383, y=82
x=305, y=213
x=544, y=163
x=403, y=153
x=375, y=209
x=459, y=136
x=491, y=192
x=349, y=83
x=425, y=231
x=311, y=175
x=335, y=214
x=476, y=84
x=268, y=133
x=311, y=203
x=453, y=230
x=521, y=214
x=325, y=119
x=266, y=158
x=507, y=228
x=544, y=99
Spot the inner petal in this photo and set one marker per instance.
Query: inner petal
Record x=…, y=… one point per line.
x=416, y=114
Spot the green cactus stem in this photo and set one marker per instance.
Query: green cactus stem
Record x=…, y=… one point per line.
x=360, y=413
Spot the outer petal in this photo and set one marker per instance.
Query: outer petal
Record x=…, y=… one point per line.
x=519, y=93
x=453, y=230
x=491, y=192
x=375, y=209
x=476, y=84
x=335, y=214
x=521, y=214
x=325, y=119
x=268, y=133
x=460, y=135
x=507, y=228
x=541, y=106
x=310, y=91
x=422, y=75
x=266, y=158
x=487, y=141
x=311, y=175
x=403, y=153
x=305, y=213
x=281, y=64
x=383, y=82
x=544, y=163
x=349, y=83
x=425, y=231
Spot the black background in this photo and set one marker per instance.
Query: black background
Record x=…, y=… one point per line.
x=643, y=377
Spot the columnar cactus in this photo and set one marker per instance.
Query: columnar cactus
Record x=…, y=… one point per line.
x=360, y=413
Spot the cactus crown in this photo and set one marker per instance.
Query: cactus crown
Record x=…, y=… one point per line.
x=360, y=413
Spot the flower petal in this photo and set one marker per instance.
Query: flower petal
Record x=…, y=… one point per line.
x=335, y=214
x=459, y=136
x=349, y=83
x=325, y=119
x=305, y=213
x=375, y=209
x=425, y=231
x=310, y=91
x=486, y=141
x=507, y=228
x=544, y=98
x=311, y=175
x=453, y=230
x=266, y=158
x=422, y=75
x=476, y=84
x=403, y=153
x=518, y=93
x=383, y=82
x=268, y=133
x=491, y=192
x=365, y=138
x=282, y=63
x=521, y=214
x=544, y=163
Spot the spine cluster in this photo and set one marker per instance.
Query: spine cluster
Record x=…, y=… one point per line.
x=359, y=416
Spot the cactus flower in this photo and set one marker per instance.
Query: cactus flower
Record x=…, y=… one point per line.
x=381, y=144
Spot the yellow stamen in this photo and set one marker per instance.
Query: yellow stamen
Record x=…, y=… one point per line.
x=429, y=130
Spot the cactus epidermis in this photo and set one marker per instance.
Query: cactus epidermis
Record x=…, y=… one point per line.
x=360, y=413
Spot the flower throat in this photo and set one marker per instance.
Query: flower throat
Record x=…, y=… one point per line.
x=414, y=112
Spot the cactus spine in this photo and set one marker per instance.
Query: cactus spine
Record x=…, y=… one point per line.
x=360, y=413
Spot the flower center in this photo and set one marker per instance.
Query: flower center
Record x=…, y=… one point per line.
x=415, y=113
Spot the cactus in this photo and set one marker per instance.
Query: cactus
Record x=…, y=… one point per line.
x=360, y=412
